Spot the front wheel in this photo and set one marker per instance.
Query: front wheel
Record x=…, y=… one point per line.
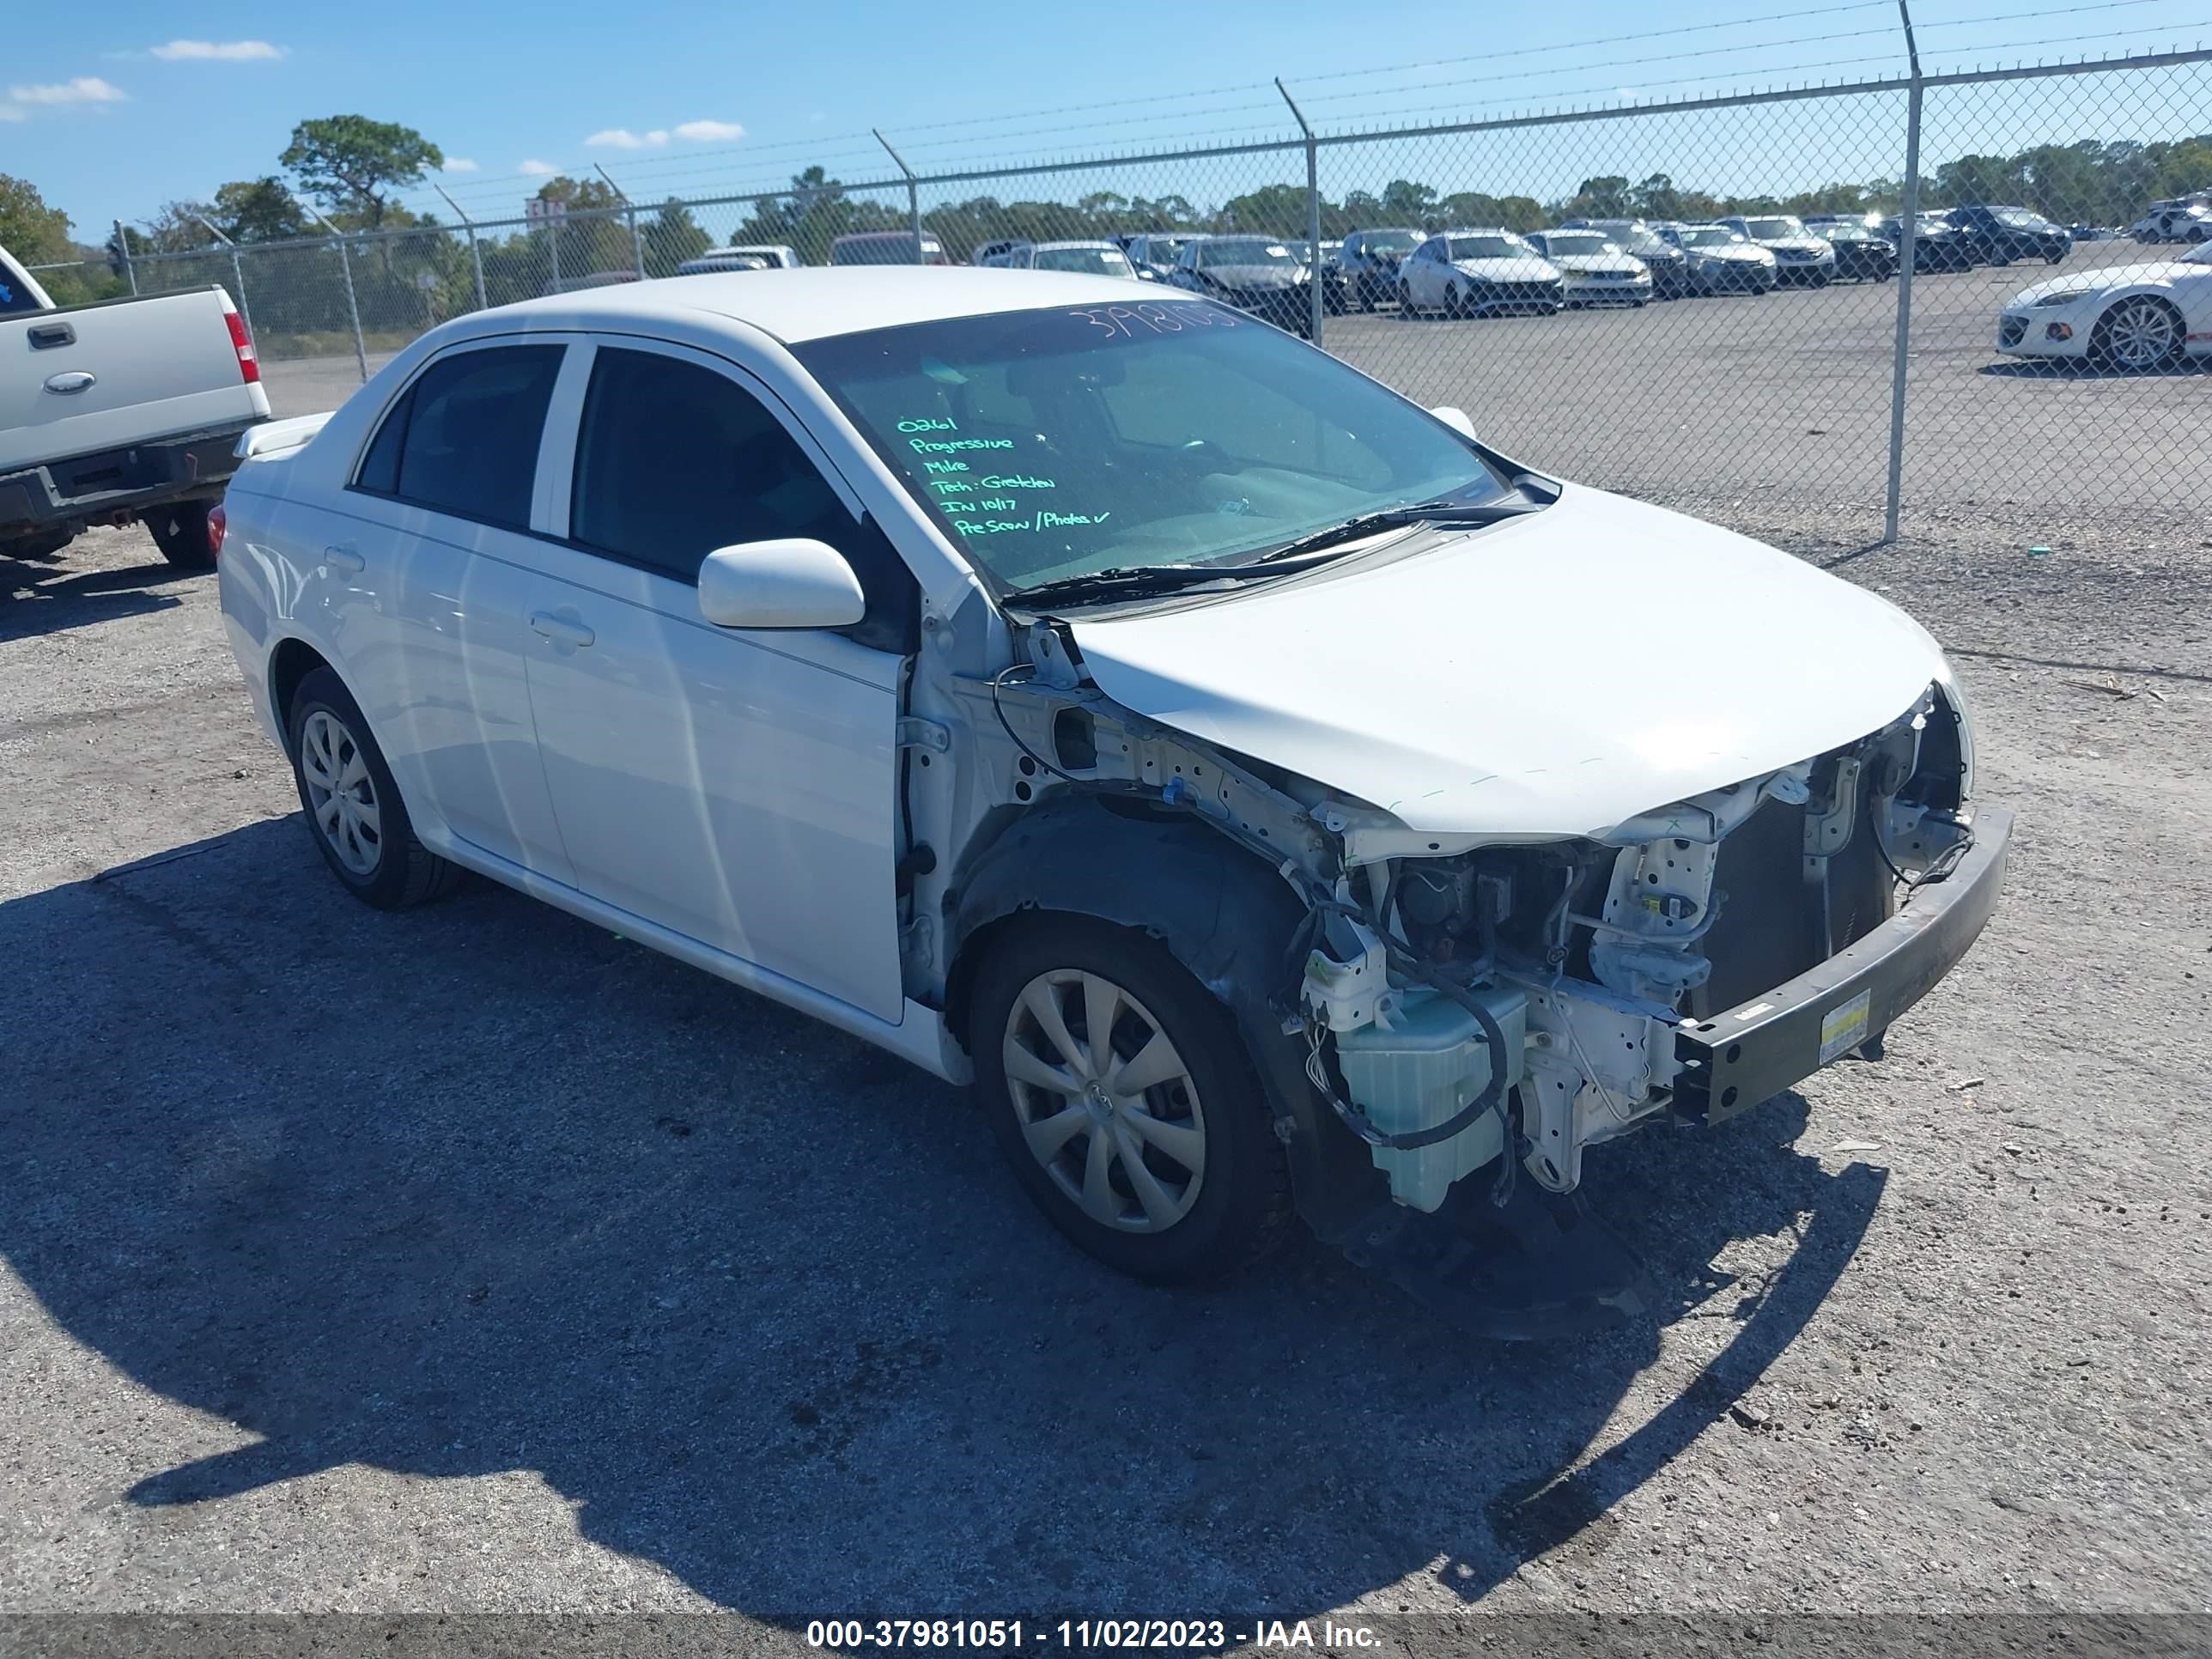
x=1121, y=1093
x=180, y=530
x=353, y=806
x=2137, y=335
x=1405, y=300
x=1454, y=305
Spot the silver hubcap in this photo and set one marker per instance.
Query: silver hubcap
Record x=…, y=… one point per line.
x=340, y=792
x=1104, y=1101
x=2141, y=335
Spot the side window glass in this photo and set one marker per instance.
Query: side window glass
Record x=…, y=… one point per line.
x=466, y=440
x=674, y=461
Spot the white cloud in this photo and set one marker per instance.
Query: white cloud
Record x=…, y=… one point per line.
x=13, y=112
x=537, y=169
x=708, y=132
x=458, y=164
x=219, y=52
x=624, y=138
x=84, y=89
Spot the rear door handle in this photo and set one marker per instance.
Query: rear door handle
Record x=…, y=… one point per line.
x=561, y=630
x=345, y=560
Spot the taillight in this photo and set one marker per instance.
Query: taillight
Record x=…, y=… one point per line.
x=218, y=523
x=249, y=366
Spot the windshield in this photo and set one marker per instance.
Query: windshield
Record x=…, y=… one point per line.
x=1055, y=443
x=1165, y=249
x=1576, y=244
x=2021, y=217
x=1244, y=251
x=1709, y=236
x=1095, y=261
x=1775, y=229
x=1636, y=238
x=1489, y=248
x=1390, y=242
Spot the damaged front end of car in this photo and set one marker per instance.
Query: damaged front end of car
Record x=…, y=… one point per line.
x=1445, y=1022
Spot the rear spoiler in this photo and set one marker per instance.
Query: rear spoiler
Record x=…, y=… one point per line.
x=279, y=437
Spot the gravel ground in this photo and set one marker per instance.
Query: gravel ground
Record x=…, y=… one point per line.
x=474, y=1259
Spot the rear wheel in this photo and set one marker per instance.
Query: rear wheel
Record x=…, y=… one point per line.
x=1406, y=300
x=180, y=530
x=2137, y=335
x=1454, y=305
x=1121, y=1093
x=354, y=810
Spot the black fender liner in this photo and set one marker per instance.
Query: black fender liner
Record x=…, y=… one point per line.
x=1223, y=913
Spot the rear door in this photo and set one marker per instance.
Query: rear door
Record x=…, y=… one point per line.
x=430, y=578
x=736, y=788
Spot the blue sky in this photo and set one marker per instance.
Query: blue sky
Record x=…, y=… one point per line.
x=132, y=103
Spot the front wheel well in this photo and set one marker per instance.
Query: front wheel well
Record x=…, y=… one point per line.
x=292, y=662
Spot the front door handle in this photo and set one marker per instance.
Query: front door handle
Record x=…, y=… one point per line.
x=561, y=630
x=345, y=560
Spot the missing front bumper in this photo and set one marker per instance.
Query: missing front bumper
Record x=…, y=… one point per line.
x=1746, y=1054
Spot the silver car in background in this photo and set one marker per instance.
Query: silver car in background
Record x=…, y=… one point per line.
x=1594, y=269
x=1800, y=257
x=1721, y=261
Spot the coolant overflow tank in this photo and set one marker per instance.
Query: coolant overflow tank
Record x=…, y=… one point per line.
x=1423, y=1070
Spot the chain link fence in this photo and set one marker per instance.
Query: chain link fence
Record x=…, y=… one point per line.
x=1826, y=353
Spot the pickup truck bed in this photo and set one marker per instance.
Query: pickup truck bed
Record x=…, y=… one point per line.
x=120, y=411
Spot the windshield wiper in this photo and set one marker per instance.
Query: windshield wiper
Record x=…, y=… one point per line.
x=1142, y=581
x=1394, y=517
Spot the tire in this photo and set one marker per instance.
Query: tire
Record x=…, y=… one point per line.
x=1405, y=300
x=1166, y=1223
x=1454, y=305
x=370, y=846
x=2139, y=335
x=2197, y=233
x=180, y=530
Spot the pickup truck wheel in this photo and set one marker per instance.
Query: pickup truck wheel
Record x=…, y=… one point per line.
x=181, y=532
x=1119, y=1092
x=354, y=810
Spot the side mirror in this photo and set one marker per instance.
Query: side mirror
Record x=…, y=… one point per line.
x=1455, y=418
x=791, y=583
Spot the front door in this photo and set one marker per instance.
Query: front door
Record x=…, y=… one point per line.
x=736, y=787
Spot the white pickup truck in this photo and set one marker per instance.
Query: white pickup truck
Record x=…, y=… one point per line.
x=123, y=410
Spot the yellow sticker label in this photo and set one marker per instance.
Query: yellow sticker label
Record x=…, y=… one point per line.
x=1844, y=1026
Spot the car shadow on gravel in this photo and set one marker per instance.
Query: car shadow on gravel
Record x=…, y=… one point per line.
x=479, y=1188
x=41, y=597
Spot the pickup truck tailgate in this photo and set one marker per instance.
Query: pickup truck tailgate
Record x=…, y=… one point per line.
x=101, y=377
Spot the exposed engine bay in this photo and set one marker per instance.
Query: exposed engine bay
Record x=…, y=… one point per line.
x=1466, y=1005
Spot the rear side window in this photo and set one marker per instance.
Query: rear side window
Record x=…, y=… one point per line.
x=464, y=440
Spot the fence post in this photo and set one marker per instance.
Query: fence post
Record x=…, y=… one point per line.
x=1909, y=224
x=913, y=191
x=629, y=208
x=476, y=255
x=123, y=246
x=353, y=306
x=237, y=272
x=1313, y=210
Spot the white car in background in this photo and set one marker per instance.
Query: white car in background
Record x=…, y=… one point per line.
x=2136, y=317
x=1085, y=258
x=2188, y=220
x=1721, y=261
x=1479, y=273
x=1596, y=271
x=1800, y=257
x=1266, y=792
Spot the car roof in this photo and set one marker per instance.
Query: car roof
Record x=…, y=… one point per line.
x=1479, y=230
x=1093, y=242
x=815, y=301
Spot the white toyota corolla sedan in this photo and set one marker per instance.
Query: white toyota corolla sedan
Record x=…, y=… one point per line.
x=1276, y=799
x=2138, y=317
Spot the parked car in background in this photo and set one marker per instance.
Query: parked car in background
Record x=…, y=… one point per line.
x=120, y=412
x=722, y=259
x=1254, y=890
x=887, y=248
x=1256, y=274
x=1095, y=258
x=2087, y=233
x=1861, y=255
x=1640, y=238
x=2000, y=235
x=776, y=256
x=2133, y=317
x=1819, y=223
x=1370, y=259
x=2188, y=220
x=1479, y=273
x=1157, y=252
x=1721, y=261
x=1800, y=257
x=1327, y=264
x=1595, y=271
x=994, y=252
x=1937, y=244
